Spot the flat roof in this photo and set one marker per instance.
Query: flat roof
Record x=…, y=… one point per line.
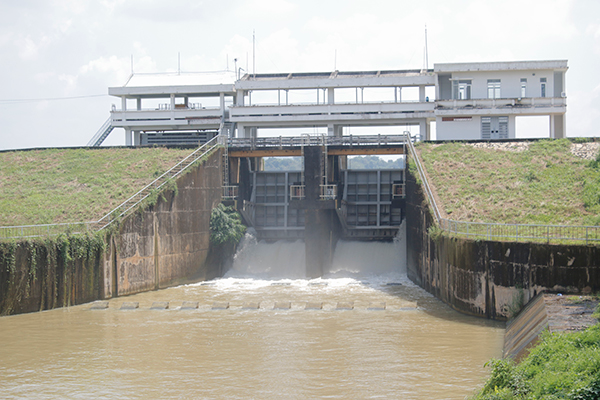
x=501, y=66
x=188, y=83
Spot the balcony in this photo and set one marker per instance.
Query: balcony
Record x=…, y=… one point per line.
x=164, y=117
x=528, y=105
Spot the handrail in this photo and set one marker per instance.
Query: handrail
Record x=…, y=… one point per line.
x=308, y=140
x=158, y=182
x=428, y=192
x=100, y=132
x=29, y=231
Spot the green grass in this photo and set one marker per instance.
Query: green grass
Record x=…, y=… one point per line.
x=562, y=366
x=72, y=185
x=543, y=185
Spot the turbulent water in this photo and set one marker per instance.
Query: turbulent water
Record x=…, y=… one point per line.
x=368, y=332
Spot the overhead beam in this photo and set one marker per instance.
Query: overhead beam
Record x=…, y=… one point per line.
x=333, y=151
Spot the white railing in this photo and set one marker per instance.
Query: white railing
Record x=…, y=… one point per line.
x=328, y=192
x=398, y=191
x=297, y=192
x=230, y=192
x=317, y=140
x=125, y=208
x=504, y=232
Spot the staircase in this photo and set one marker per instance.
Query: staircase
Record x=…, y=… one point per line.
x=155, y=186
x=102, y=133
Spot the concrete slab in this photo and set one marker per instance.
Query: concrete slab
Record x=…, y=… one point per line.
x=251, y=306
x=189, y=305
x=377, y=306
x=99, y=305
x=345, y=305
x=282, y=305
x=313, y=306
x=220, y=305
x=130, y=305
x=160, y=305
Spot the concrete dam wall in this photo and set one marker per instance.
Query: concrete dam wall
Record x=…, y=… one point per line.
x=487, y=278
x=163, y=245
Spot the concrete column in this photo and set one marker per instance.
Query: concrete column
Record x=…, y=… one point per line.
x=172, y=107
x=240, y=98
x=241, y=131
x=222, y=101
x=330, y=130
x=139, y=104
x=127, y=137
x=317, y=224
x=557, y=126
x=137, y=138
x=422, y=93
x=425, y=129
x=123, y=104
x=330, y=96
x=399, y=95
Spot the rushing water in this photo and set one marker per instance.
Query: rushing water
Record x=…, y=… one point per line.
x=377, y=335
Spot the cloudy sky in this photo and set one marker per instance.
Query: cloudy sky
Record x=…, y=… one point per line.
x=58, y=57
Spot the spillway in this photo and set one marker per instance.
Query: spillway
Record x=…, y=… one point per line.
x=263, y=331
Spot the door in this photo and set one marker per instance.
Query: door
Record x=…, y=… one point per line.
x=494, y=128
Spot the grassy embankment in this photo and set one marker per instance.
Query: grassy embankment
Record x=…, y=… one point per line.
x=74, y=185
x=544, y=184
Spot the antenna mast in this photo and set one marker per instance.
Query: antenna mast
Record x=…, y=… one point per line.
x=426, y=51
x=253, y=53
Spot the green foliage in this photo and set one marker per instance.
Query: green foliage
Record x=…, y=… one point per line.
x=225, y=225
x=283, y=163
x=561, y=366
x=374, y=162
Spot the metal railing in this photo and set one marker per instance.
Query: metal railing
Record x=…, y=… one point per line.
x=297, y=192
x=30, y=231
x=230, y=192
x=398, y=191
x=33, y=231
x=328, y=192
x=504, y=232
x=102, y=133
x=317, y=140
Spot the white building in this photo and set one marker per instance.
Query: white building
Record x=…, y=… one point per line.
x=467, y=101
x=482, y=100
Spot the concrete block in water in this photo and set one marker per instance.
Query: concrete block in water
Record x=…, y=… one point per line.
x=282, y=305
x=313, y=306
x=99, y=305
x=345, y=305
x=160, y=305
x=130, y=305
x=378, y=306
x=220, y=305
x=251, y=306
x=189, y=305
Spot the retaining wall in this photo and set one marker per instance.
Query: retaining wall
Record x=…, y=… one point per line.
x=164, y=245
x=487, y=278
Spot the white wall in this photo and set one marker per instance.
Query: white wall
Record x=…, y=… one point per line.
x=510, y=85
x=458, y=130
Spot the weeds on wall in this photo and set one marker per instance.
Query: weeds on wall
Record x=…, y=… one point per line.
x=41, y=264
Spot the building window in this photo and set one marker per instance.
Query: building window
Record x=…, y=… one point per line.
x=461, y=89
x=543, y=87
x=493, y=88
x=523, y=87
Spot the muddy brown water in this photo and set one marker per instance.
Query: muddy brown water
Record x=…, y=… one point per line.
x=376, y=336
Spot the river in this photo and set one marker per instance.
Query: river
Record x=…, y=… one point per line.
x=368, y=332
